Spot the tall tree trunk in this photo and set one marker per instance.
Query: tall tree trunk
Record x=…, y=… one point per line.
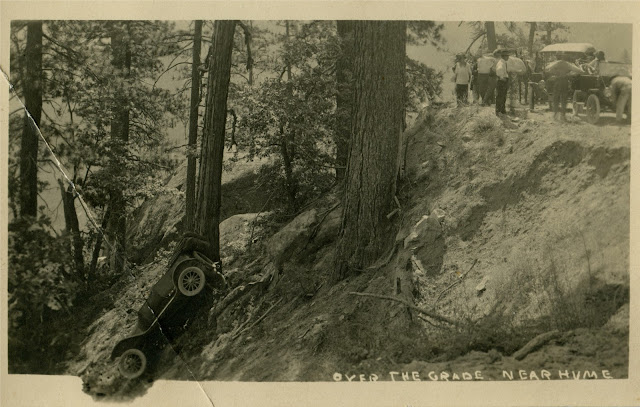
x=532, y=35
x=91, y=275
x=344, y=96
x=370, y=182
x=208, y=203
x=250, y=66
x=121, y=61
x=193, y=126
x=490, y=28
x=33, y=102
x=287, y=140
x=72, y=227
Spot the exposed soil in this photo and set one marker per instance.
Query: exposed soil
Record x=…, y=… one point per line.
x=535, y=239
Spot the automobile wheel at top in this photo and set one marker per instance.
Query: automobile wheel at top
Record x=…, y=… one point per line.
x=593, y=109
x=132, y=363
x=191, y=281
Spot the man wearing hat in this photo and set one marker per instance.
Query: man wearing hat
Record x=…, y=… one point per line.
x=462, y=74
x=503, y=81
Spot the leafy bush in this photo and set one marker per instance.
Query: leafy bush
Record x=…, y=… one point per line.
x=40, y=287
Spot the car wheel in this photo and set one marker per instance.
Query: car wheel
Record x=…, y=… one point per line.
x=191, y=281
x=132, y=363
x=593, y=109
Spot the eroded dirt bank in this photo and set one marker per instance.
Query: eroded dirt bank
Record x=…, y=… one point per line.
x=529, y=235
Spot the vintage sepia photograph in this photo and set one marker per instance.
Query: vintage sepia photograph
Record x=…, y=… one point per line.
x=317, y=201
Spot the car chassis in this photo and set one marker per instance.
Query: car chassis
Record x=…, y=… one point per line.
x=183, y=285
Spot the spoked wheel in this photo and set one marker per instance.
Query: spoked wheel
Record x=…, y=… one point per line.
x=132, y=364
x=593, y=109
x=191, y=281
x=575, y=103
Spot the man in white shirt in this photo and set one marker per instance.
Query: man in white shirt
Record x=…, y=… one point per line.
x=503, y=82
x=462, y=72
x=620, y=87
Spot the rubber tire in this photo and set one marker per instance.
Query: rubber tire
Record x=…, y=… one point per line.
x=593, y=109
x=574, y=103
x=198, y=278
x=128, y=357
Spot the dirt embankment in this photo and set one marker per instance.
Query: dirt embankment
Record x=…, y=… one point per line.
x=531, y=238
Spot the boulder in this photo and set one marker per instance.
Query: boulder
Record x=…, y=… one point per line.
x=619, y=322
x=236, y=233
x=425, y=232
x=291, y=238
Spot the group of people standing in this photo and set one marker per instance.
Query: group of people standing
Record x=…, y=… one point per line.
x=488, y=78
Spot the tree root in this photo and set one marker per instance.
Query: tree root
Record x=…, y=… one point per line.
x=430, y=314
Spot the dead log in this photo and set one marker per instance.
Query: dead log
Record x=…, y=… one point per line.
x=535, y=344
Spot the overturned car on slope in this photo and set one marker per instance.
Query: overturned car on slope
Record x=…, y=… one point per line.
x=173, y=301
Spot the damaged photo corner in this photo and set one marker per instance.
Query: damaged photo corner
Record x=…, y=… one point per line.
x=270, y=204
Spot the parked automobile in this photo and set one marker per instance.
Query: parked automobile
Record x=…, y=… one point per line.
x=572, y=51
x=591, y=93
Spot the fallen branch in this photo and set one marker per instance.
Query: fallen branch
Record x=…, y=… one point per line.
x=454, y=283
x=324, y=216
x=430, y=314
x=258, y=320
x=535, y=344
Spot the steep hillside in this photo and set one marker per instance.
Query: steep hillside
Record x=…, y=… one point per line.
x=507, y=231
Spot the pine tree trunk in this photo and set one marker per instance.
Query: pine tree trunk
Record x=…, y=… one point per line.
x=379, y=72
x=91, y=275
x=33, y=102
x=72, y=227
x=193, y=126
x=121, y=61
x=208, y=202
x=491, y=35
x=532, y=35
x=344, y=96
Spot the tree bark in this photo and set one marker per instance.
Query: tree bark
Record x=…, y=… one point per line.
x=121, y=61
x=33, y=102
x=532, y=35
x=370, y=180
x=193, y=126
x=491, y=35
x=72, y=226
x=344, y=79
x=91, y=275
x=208, y=203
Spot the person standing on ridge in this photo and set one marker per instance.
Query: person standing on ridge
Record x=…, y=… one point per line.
x=462, y=76
x=503, y=83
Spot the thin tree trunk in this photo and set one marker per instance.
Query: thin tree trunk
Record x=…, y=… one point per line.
x=33, y=102
x=121, y=61
x=379, y=72
x=209, y=194
x=287, y=147
x=532, y=35
x=72, y=227
x=491, y=35
x=344, y=96
x=193, y=127
x=287, y=159
x=91, y=275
